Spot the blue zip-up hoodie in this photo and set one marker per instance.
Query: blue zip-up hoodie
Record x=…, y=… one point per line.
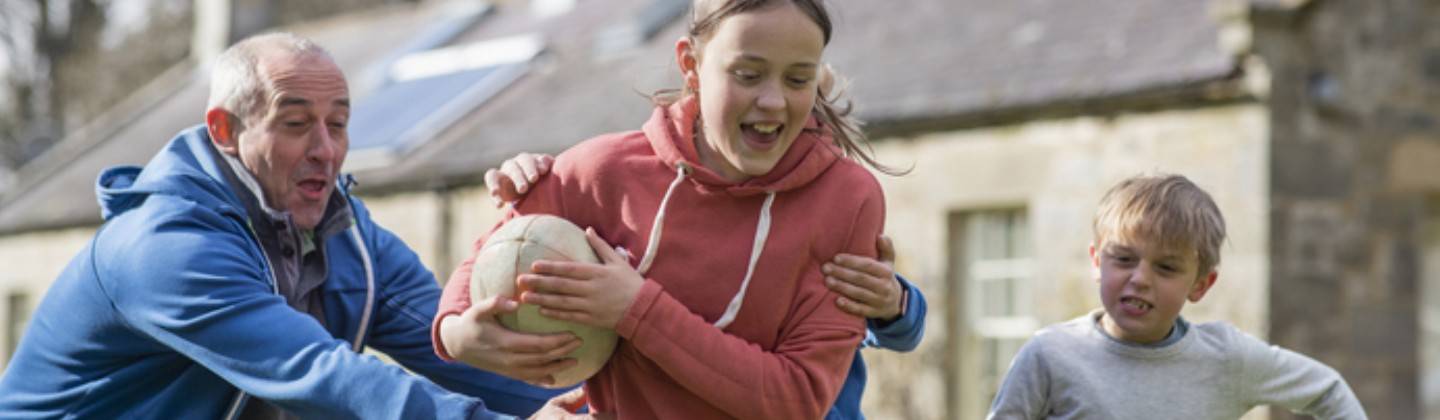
x=901, y=335
x=171, y=312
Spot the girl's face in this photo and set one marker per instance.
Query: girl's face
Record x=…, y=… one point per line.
x=755, y=75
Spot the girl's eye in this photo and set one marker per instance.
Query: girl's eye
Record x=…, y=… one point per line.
x=746, y=75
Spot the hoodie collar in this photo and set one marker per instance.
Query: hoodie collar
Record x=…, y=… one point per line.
x=671, y=134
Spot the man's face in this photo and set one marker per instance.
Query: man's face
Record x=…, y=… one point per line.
x=295, y=143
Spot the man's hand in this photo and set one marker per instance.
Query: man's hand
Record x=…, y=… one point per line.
x=514, y=177
x=590, y=294
x=477, y=339
x=867, y=287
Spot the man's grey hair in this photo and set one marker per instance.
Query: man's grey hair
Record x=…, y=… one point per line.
x=235, y=81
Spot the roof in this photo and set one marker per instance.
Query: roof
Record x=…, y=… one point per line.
x=927, y=59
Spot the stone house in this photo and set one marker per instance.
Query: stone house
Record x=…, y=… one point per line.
x=1311, y=123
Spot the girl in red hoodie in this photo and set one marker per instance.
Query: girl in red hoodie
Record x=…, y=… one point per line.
x=730, y=199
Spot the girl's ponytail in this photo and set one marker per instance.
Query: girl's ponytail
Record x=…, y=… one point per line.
x=833, y=110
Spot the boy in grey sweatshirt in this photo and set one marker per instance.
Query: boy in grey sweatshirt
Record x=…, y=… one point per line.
x=1156, y=246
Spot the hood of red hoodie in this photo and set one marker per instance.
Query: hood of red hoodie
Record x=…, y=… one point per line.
x=671, y=134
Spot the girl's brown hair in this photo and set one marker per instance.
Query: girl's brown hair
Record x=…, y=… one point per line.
x=832, y=109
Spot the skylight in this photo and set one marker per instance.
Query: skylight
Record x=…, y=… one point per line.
x=429, y=91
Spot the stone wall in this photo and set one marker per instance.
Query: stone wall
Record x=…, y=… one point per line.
x=1355, y=152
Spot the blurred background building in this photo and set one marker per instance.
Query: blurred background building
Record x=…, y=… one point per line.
x=1315, y=125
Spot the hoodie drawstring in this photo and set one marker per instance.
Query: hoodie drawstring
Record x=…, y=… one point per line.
x=762, y=232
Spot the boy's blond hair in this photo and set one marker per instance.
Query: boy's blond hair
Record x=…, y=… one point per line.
x=1162, y=210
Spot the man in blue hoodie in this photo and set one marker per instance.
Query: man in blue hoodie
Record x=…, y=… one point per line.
x=236, y=277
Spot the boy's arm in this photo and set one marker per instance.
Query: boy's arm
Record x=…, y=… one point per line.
x=1024, y=394
x=1276, y=376
x=902, y=334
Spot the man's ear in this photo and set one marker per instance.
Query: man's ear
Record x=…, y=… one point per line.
x=221, y=124
x=689, y=64
x=1202, y=285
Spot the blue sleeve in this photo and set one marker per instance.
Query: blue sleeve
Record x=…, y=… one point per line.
x=406, y=304
x=194, y=281
x=904, y=333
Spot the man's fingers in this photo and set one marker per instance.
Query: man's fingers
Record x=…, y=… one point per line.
x=886, y=249
x=863, y=277
x=526, y=162
x=853, y=308
x=543, y=163
x=516, y=175
x=867, y=265
x=851, y=291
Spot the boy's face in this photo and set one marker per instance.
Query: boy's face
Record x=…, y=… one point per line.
x=1143, y=287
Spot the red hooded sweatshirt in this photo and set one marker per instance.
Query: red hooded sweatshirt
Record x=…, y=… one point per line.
x=788, y=348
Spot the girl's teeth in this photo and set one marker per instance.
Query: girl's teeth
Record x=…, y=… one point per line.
x=765, y=128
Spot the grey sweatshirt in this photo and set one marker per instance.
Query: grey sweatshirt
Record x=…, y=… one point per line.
x=1074, y=370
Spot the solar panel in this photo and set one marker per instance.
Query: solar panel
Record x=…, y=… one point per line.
x=427, y=93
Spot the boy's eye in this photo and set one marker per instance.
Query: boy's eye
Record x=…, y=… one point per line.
x=799, y=81
x=746, y=75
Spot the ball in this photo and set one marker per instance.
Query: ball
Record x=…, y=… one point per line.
x=508, y=253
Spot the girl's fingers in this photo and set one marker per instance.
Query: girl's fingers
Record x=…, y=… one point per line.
x=569, y=269
x=553, y=301
x=553, y=285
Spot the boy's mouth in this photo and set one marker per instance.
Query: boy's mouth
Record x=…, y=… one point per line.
x=1135, y=306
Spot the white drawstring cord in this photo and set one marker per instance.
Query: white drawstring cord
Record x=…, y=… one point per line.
x=681, y=170
x=762, y=231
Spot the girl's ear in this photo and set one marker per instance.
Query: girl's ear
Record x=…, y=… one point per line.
x=685, y=56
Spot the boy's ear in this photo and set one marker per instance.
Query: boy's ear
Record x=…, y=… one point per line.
x=1094, y=263
x=1202, y=285
x=221, y=126
x=689, y=64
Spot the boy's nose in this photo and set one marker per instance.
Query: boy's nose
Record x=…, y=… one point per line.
x=1141, y=276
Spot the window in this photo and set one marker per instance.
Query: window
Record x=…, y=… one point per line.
x=991, y=278
x=17, y=311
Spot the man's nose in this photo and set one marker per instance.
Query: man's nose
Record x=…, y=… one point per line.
x=323, y=145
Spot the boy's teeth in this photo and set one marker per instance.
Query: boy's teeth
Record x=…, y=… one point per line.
x=765, y=128
x=1137, y=304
